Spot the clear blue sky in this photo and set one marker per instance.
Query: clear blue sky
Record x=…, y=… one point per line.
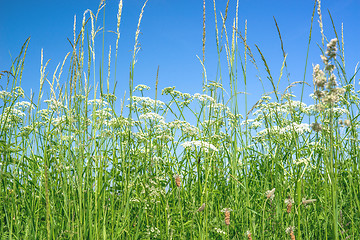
x=171, y=37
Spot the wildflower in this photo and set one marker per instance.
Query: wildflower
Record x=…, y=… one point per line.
x=316, y=127
x=147, y=103
x=270, y=194
x=98, y=102
x=213, y=85
x=102, y=114
x=110, y=97
x=18, y=91
x=319, y=94
x=218, y=230
x=152, y=116
x=203, y=98
x=347, y=123
x=204, y=145
x=167, y=90
x=289, y=202
x=4, y=95
x=227, y=215
x=290, y=230
x=177, y=178
x=152, y=232
x=141, y=87
x=54, y=104
x=24, y=105
x=248, y=234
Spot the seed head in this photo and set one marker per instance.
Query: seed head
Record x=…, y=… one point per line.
x=347, y=122
x=227, y=218
x=270, y=194
x=289, y=202
x=227, y=215
x=316, y=127
x=248, y=234
x=177, y=180
x=201, y=208
x=290, y=230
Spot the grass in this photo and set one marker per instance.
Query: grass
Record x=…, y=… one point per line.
x=74, y=166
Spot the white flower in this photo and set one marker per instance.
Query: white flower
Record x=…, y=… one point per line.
x=167, y=90
x=185, y=127
x=23, y=105
x=338, y=111
x=218, y=230
x=219, y=107
x=4, y=95
x=147, y=102
x=205, y=145
x=102, y=114
x=141, y=87
x=55, y=104
x=203, y=97
x=98, y=102
x=152, y=116
x=58, y=121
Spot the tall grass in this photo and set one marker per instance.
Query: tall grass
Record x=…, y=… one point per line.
x=77, y=165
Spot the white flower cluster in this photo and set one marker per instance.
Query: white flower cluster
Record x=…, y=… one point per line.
x=103, y=114
x=186, y=128
x=152, y=232
x=120, y=122
x=218, y=230
x=147, y=103
x=141, y=87
x=24, y=105
x=252, y=123
x=98, y=103
x=203, y=145
x=55, y=105
x=11, y=117
x=152, y=117
x=58, y=121
x=203, y=98
x=276, y=130
x=4, y=95
x=338, y=111
x=294, y=105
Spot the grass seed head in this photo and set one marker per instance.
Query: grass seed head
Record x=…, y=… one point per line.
x=227, y=215
x=177, y=180
x=316, y=127
x=248, y=235
x=289, y=202
x=347, y=123
x=227, y=218
x=201, y=208
x=290, y=230
x=270, y=194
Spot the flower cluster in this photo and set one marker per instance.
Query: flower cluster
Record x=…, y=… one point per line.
x=203, y=145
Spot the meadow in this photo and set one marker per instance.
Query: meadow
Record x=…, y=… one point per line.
x=79, y=162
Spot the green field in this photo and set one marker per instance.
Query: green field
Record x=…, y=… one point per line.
x=81, y=162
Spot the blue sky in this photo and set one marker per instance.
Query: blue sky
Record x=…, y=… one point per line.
x=171, y=37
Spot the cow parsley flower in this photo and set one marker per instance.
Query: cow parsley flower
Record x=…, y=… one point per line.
x=203, y=145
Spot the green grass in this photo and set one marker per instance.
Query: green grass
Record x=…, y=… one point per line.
x=77, y=165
